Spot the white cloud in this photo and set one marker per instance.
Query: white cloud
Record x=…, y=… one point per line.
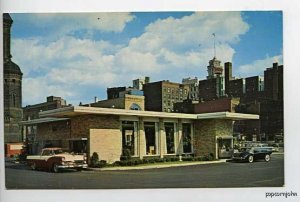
x=168, y=49
x=257, y=67
x=35, y=90
x=68, y=22
x=189, y=31
x=173, y=44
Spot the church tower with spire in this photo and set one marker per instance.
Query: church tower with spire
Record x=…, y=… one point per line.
x=12, y=88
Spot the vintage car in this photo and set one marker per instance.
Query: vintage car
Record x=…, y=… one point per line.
x=55, y=159
x=253, y=154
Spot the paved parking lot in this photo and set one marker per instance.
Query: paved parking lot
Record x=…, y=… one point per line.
x=221, y=175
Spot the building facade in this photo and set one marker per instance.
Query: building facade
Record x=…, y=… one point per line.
x=160, y=96
x=111, y=132
x=264, y=96
x=236, y=88
x=12, y=88
x=214, y=69
x=138, y=83
x=212, y=89
x=128, y=101
x=228, y=76
x=273, y=82
x=254, y=88
x=31, y=112
x=193, y=84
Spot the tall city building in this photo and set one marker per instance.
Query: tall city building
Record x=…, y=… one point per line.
x=228, y=75
x=12, y=88
x=138, y=83
x=254, y=88
x=273, y=83
x=214, y=86
x=236, y=88
x=214, y=68
x=193, y=84
x=162, y=95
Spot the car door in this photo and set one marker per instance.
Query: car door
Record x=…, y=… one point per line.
x=258, y=154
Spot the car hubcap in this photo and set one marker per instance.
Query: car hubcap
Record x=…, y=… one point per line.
x=55, y=168
x=33, y=166
x=250, y=159
x=267, y=158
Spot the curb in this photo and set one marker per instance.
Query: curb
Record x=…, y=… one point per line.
x=279, y=153
x=155, y=166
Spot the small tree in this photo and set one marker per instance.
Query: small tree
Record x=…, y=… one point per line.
x=94, y=159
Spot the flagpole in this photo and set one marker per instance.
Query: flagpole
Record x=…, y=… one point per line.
x=214, y=45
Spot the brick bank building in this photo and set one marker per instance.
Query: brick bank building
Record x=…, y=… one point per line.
x=108, y=131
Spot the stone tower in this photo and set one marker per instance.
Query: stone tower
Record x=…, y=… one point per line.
x=12, y=88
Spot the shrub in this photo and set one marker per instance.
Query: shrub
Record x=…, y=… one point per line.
x=159, y=160
x=94, y=159
x=188, y=158
x=137, y=161
x=176, y=158
x=102, y=163
x=200, y=158
x=210, y=157
x=126, y=154
x=145, y=160
x=117, y=163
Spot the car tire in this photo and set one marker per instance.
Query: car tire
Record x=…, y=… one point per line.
x=55, y=168
x=250, y=159
x=267, y=157
x=33, y=166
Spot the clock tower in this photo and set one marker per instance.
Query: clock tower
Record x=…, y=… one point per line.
x=12, y=88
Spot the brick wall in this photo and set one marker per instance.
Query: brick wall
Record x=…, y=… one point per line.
x=121, y=103
x=81, y=125
x=107, y=143
x=220, y=105
x=117, y=103
x=153, y=96
x=205, y=135
x=55, y=133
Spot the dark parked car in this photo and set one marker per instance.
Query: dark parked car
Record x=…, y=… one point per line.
x=253, y=154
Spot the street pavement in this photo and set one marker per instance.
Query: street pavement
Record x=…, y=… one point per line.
x=215, y=175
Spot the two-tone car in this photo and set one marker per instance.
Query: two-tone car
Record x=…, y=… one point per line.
x=253, y=154
x=56, y=159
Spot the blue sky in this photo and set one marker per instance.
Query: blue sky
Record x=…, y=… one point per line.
x=77, y=56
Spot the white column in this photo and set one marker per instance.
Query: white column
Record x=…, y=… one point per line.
x=157, y=151
x=179, y=139
x=136, y=138
x=142, y=139
x=162, y=139
x=192, y=136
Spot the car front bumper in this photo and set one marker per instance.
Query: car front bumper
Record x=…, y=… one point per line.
x=65, y=166
x=239, y=158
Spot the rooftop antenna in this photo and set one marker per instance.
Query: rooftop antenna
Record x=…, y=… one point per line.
x=214, y=44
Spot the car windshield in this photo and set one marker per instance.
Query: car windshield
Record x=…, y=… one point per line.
x=58, y=151
x=247, y=149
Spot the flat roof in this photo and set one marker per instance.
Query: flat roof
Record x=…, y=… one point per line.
x=82, y=110
x=227, y=115
x=42, y=120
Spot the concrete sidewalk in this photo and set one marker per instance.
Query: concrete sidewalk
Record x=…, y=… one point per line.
x=153, y=166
